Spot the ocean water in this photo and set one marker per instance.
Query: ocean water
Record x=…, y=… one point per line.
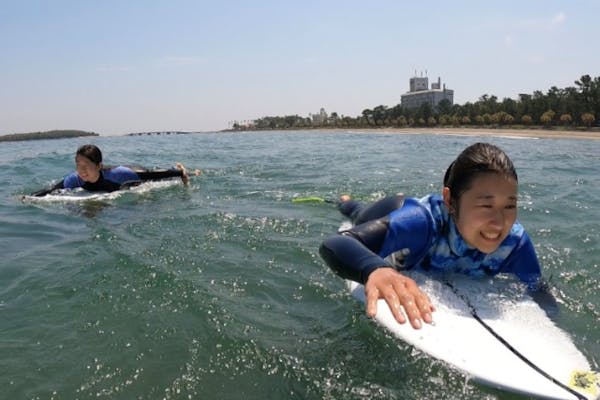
x=217, y=290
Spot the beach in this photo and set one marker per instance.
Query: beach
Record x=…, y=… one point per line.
x=491, y=132
x=500, y=132
x=532, y=133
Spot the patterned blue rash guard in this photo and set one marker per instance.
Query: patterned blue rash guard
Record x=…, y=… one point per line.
x=422, y=234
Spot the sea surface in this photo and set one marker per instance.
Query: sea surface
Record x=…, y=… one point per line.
x=217, y=290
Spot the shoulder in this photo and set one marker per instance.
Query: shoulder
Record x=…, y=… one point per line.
x=72, y=181
x=412, y=227
x=415, y=217
x=426, y=211
x=120, y=174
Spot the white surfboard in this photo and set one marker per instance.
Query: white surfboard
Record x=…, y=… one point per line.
x=537, y=358
x=80, y=195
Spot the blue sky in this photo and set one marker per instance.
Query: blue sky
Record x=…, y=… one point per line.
x=118, y=66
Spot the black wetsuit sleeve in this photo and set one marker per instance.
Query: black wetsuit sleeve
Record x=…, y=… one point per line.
x=43, y=192
x=159, y=174
x=352, y=254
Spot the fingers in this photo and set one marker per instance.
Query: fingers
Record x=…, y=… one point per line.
x=408, y=302
x=416, y=303
x=403, y=296
x=374, y=294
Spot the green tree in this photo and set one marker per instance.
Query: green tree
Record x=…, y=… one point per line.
x=489, y=104
x=380, y=114
x=444, y=107
x=425, y=111
x=547, y=118
x=566, y=119
x=587, y=119
x=496, y=118
x=524, y=105
x=509, y=106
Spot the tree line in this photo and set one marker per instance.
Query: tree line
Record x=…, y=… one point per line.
x=56, y=134
x=572, y=107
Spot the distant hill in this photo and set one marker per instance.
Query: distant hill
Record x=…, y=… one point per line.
x=57, y=134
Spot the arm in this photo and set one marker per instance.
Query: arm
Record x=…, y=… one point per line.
x=352, y=255
x=70, y=181
x=43, y=192
x=178, y=171
x=356, y=252
x=159, y=174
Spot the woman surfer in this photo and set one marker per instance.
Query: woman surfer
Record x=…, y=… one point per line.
x=91, y=175
x=470, y=228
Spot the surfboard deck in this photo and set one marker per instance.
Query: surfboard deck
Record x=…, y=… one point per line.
x=457, y=338
x=80, y=195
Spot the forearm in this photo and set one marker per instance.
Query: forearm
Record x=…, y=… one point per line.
x=43, y=192
x=349, y=258
x=159, y=174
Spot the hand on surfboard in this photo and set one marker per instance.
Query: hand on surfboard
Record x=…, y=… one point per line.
x=402, y=295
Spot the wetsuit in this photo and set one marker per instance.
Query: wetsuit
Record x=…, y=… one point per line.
x=407, y=233
x=112, y=179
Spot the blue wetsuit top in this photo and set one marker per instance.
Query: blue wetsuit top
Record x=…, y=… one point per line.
x=422, y=234
x=111, y=179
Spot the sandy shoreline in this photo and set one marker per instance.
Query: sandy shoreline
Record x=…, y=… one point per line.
x=501, y=132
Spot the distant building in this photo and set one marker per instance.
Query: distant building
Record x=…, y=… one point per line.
x=420, y=93
x=320, y=118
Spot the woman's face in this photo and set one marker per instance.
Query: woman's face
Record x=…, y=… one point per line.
x=487, y=211
x=86, y=169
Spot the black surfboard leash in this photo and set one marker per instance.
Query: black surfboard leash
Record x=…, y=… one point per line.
x=516, y=352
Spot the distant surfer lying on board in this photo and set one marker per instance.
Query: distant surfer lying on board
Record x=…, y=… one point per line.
x=471, y=228
x=91, y=175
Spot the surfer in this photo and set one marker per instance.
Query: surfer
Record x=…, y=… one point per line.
x=91, y=175
x=470, y=228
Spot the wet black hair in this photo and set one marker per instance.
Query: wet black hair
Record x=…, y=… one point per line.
x=90, y=152
x=476, y=159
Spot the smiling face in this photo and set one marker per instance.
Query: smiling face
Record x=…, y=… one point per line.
x=485, y=212
x=87, y=169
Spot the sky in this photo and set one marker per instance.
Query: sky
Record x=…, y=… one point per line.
x=122, y=66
